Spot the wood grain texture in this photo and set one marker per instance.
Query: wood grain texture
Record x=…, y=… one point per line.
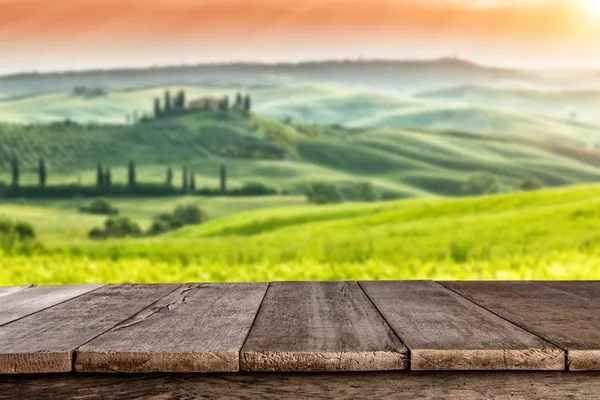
x=197, y=328
x=348, y=385
x=566, y=320
x=588, y=289
x=4, y=290
x=320, y=326
x=45, y=341
x=21, y=303
x=444, y=331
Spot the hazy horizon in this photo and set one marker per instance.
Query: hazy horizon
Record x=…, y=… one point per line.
x=41, y=36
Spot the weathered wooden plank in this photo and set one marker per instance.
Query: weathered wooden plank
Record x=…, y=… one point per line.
x=320, y=326
x=45, y=341
x=25, y=302
x=197, y=328
x=348, y=385
x=444, y=331
x=4, y=290
x=566, y=320
x=588, y=289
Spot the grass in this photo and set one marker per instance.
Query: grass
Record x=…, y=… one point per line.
x=550, y=234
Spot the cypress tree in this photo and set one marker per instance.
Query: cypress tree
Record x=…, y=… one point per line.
x=131, y=174
x=107, y=178
x=239, y=101
x=223, y=179
x=157, y=110
x=15, y=172
x=192, y=183
x=42, y=173
x=180, y=103
x=247, y=103
x=224, y=104
x=185, y=180
x=168, y=105
x=169, y=176
x=99, y=175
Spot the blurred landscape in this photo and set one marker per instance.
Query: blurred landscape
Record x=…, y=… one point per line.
x=441, y=169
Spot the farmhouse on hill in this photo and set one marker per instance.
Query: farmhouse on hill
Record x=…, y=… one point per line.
x=204, y=103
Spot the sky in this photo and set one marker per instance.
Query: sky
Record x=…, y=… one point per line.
x=42, y=35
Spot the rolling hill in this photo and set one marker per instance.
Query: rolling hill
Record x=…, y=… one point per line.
x=576, y=105
x=289, y=156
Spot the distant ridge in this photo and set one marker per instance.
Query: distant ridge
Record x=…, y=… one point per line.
x=442, y=61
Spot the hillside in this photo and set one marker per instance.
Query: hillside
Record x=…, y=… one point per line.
x=576, y=105
x=395, y=76
x=548, y=234
x=289, y=156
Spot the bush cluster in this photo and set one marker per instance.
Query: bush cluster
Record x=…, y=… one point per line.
x=99, y=206
x=16, y=234
x=327, y=193
x=121, y=226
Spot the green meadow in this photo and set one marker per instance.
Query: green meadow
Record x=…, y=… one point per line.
x=549, y=234
x=414, y=131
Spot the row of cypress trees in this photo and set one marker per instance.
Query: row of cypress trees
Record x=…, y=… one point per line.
x=104, y=176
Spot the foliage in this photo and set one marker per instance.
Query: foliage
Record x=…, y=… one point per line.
x=117, y=227
x=324, y=193
x=189, y=214
x=480, y=184
x=531, y=184
x=16, y=236
x=362, y=191
x=183, y=215
x=99, y=206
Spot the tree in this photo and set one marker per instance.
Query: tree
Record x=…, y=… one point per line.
x=42, y=172
x=364, y=191
x=480, y=184
x=99, y=175
x=192, y=182
x=131, y=174
x=239, y=101
x=224, y=104
x=169, y=176
x=157, y=110
x=223, y=179
x=324, y=193
x=185, y=180
x=15, y=172
x=168, y=106
x=179, y=102
x=531, y=184
x=247, y=104
x=107, y=178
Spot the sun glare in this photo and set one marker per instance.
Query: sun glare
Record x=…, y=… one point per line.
x=594, y=6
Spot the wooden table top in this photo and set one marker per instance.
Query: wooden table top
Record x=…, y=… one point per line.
x=301, y=327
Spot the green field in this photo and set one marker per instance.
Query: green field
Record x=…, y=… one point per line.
x=551, y=234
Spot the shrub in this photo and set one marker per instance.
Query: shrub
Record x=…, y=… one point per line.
x=116, y=227
x=25, y=231
x=189, y=214
x=531, y=184
x=169, y=220
x=362, y=191
x=16, y=235
x=97, y=233
x=121, y=227
x=324, y=193
x=99, y=206
x=480, y=184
